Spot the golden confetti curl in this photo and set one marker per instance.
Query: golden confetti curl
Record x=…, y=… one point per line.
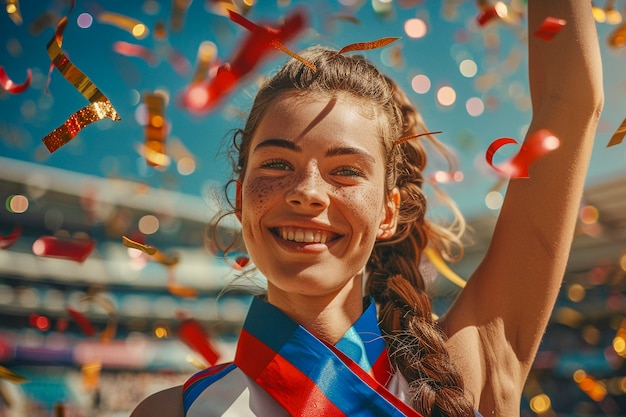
x=99, y=108
x=13, y=10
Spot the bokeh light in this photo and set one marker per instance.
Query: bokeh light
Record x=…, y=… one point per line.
x=415, y=28
x=148, y=224
x=494, y=200
x=468, y=68
x=474, y=106
x=420, y=84
x=17, y=203
x=446, y=96
x=84, y=20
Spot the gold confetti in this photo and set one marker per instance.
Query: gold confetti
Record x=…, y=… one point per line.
x=100, y=106
x=619, y=134
x=407, y=138
x=361, y=46
x=278, y=45
x=435, y=258
x=13, y=10
x=132, y=26
x=11, y=376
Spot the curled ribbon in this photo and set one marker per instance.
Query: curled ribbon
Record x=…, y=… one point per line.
x=10, y=86
x=537, y=145
x=99, y=108
x=440, y=265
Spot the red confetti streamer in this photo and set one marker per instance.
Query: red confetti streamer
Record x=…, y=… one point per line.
x=549, y=28
x=537, y=145
x=194, y=336
x=362, y=46
x=139, y=51
x=496, y=11
x=82, y=321
x=257, y=46
x=6, y=241
x=10, y=86
x=66, y=248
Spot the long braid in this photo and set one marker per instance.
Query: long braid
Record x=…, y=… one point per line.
x=416, y=343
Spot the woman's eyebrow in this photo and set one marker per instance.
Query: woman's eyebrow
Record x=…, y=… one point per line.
x=334, y=151
x=281, y=143
x=348, y=150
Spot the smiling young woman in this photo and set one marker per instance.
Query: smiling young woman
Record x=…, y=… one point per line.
x=330, y=202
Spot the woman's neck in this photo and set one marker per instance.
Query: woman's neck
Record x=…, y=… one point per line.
x=328, y=316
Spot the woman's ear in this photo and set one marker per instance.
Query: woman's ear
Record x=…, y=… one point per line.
x=389, y=222
x=238, y=199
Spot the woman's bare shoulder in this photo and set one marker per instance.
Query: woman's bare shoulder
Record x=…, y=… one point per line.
x=166, y=403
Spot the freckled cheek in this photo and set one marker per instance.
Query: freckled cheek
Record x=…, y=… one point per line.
x=365, y=206
x=258, y=193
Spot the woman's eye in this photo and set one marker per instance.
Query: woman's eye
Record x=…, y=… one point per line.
x=278, y=164
x=349, y=172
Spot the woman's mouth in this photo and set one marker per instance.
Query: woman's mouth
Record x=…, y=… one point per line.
x=301, y=235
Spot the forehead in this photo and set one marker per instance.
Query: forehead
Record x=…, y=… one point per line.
x=317, y=118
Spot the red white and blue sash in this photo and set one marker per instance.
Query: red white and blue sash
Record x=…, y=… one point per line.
x=306, y=376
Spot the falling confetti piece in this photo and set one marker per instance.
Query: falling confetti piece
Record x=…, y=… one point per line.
x=177, y=16
x=155, y=129
x=490, y=13
x=200, y=98
x=408, y=138
x=362, y=46
x=65, y=248
x=618, y=136
x=537, y=145
x=6, y=241
x=549, y=28
x=100, y=106
x=194, y=336
x=11, y=376
x=132, y=26
x=134, y=50
x=276, y=44
x=617, y=38
x=82, y=321
x=435, y=258
x=12, y=87
x=148, y=250
x=158, y=256
x=13, y=10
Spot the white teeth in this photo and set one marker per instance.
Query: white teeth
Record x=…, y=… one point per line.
x=304, y=235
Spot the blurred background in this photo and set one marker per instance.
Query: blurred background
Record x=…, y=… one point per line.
x=91, y=324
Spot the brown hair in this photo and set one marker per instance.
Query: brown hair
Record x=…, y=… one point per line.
x=416, y=343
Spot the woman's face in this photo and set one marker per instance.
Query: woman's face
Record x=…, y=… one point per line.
x=312, y=199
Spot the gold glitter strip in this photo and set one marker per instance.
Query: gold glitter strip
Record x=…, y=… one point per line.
x=77, y=121
x=619, y=134
x=278, y=45
x=361, y=46
x=100, y=106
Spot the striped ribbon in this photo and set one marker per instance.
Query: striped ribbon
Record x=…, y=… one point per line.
x=310, y=378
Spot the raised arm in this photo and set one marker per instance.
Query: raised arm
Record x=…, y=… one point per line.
x=510, y=296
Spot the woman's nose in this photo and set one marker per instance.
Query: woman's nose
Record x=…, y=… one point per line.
x=309, y=192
